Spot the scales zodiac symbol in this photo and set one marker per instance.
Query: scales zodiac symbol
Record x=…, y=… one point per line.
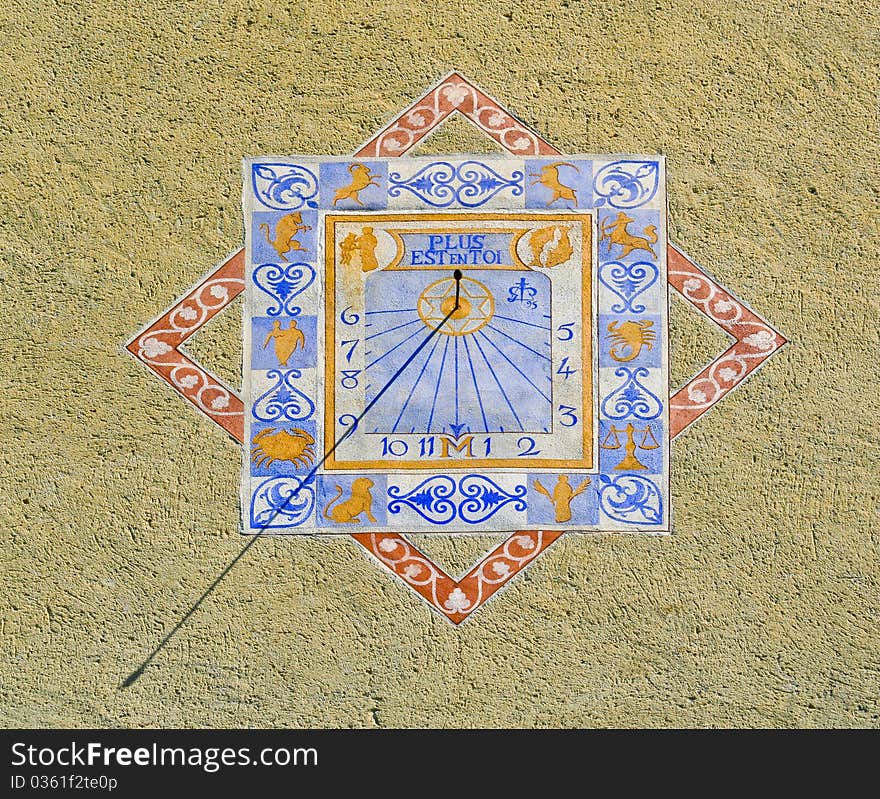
x=630, y=461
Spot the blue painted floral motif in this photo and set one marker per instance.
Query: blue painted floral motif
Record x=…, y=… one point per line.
x=484, y=498
x=631, y=400
x=282, y=284
x=626, y=184
x=281, y=502
x=627, y=281
x=284, y=400
x=430, y=499
x=630, y=498
x=440, y=184
x=285, y=187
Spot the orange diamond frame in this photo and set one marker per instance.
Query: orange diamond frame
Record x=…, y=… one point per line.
x=158, y=347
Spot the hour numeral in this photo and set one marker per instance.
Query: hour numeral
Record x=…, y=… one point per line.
x=349, y=318
x=352, y=346
x=569, y=416
x=349, y=378
x=426, y=446
x=565, y=370
x=564, y=332
x=526, y=445
x=394, y=446
x=463, y=446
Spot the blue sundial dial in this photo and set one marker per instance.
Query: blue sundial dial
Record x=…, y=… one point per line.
x=489, y=370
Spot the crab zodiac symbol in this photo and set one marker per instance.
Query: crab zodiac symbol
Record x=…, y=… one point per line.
x=272, y=445
x=628, y=338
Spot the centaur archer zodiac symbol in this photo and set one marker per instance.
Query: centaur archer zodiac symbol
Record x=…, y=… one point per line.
x=614, y=231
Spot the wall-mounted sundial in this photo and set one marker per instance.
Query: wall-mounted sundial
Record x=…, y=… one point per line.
x=455, y=345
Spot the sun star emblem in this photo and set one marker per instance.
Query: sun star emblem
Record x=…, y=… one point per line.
x=475, y=306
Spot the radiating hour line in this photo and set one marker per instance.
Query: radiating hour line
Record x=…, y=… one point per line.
x=392, y=329
x=415, y=385
x=476, y=387
x=520, y=322
x=456, y=381
x=517, y=341
x=527, y=378
x=500, y=387
x=437, y=387
x=394, y=310
x=388, y=352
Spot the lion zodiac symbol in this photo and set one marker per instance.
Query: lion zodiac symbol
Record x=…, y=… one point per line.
x=614, y=231
x=628, y=338
x=272, y=445
x=361, y=178
x=286, y=230
x=359, y=501
x=548, y=177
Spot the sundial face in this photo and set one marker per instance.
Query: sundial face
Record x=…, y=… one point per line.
x=451, y=345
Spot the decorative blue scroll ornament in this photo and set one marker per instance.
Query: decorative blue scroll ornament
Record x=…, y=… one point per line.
x=281, y=502
x=627, y=281
x=627, y=184
x=282, y=284
x=631, y=499
x=285, y=187
x=484, y=498
x=430, y=499
x=284, y=400
x=440, y=184
x=631, y=400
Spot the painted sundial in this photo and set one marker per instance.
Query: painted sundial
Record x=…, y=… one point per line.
x=453, y=345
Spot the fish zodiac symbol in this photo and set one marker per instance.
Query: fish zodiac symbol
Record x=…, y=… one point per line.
x=550, y=246
x=286, y=230
x=548, y=177
x=361, y=178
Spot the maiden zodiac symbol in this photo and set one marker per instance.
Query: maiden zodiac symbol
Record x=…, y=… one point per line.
x=628, y=338
x=348, y=511
x=361, y=177
x=548, y=177
x=272, y=445
x=614, y=232
x=362, y=248
x=562, y=496
x=286, y=230
x=286, y=341
x=550, y=247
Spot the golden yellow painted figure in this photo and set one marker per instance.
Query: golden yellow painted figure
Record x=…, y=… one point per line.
x=548, y=177
x=272, y=445
x=615, y=232
x=286, y=341
x=550, y=246
x=630, y=462
x=367, y=244
x=562, y=496
x=286, y=230
x=348, y=511
x=628, y=338
x=361, y=177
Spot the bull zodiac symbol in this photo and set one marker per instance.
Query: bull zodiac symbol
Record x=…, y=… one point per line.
x=548, y=177
x=286, y=230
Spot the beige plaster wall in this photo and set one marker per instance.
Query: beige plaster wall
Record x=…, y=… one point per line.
x=122, y=126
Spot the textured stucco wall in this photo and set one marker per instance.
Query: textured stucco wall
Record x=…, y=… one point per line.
x=121, y=133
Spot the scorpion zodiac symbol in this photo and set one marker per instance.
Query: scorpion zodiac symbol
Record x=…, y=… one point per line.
x=272, y=445
x=628, y=338
x=361, y=178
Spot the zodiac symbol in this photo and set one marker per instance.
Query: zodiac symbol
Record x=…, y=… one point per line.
x=562, y=495
x=286, y=230
x=630, y=462
x=614, y=231
x=361, y=177
x=550, y=247
x=286, y=341
x=523, y=293
x=271, y=446
x=359, y=501
x=548, y=177
x=361, y=248
x=628, y=338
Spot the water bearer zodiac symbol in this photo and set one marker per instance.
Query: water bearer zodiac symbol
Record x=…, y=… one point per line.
x=550, y=246
x=562, y=496
x=286, y=230
x=360, y=250
x=361, y=177
x=630, y=462
x=548, y=177
x=348, y=511
x=286, y=341
x=272, y=445
x=614, y=232
x=628, y=338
